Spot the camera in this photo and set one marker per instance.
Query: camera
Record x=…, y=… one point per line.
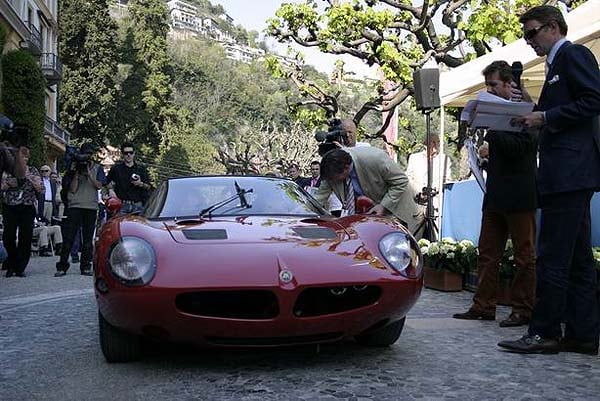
x=79, y=159
x=135, y=177
x=335, y=134
x=15, y=136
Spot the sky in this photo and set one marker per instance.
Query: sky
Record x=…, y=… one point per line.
x=253, y=14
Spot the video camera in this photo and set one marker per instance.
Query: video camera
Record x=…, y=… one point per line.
x=15, y=136
x=335, y=134
x=80, y=157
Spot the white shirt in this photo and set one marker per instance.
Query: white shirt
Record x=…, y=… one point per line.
x=48, y=195
x=416, y=170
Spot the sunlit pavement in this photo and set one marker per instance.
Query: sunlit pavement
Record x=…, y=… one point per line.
x=49, y=351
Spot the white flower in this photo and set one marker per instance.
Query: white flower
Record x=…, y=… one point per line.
x=424, y=250
x=424, y=242
x=434, y=249
x=450, y=255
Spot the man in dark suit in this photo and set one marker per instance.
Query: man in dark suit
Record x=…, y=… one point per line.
x=508, y=209
x=568, y=174
x=294, y=174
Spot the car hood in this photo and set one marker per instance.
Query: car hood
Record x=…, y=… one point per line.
x=255, y=250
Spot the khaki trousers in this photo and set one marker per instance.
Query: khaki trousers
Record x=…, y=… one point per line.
x=496, y=228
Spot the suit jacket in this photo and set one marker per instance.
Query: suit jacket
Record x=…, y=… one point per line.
x=511, y=168
x=302, y=181
x=382, y=180
x=569, y=143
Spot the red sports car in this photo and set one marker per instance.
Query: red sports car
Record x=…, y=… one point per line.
x=250, y=261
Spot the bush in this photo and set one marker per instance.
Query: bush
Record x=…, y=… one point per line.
x=23, y=92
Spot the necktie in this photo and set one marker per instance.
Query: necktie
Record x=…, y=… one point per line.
x=547, y=68
x=349, y=201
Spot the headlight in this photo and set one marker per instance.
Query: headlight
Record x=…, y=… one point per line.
x=132, y=261
x=401, y=252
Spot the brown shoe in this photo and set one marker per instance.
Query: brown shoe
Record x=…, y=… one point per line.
x=514, y=320
x=474, y=315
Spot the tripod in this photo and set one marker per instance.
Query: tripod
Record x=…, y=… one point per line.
x=428, y=225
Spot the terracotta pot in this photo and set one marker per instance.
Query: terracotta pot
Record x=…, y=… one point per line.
x=442, y=280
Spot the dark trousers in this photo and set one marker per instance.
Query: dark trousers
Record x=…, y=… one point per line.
x=566, y=290
x=496, y=227
x=17, y=218
x=76, y=218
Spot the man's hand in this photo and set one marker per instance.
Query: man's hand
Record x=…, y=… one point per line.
x=531, y=120
x=138, y=183
x=378, y=210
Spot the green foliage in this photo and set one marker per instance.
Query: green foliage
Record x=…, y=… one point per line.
x=88, y=48
x=496, y=19
x=23, y=94
x=225, y=98
x=145, y=76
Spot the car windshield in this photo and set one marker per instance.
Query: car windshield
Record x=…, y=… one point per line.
x=188, y=197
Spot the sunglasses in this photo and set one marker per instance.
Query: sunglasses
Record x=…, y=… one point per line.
x=492, y=84
x=128, y=153
x=532, y=33
x=45, y=171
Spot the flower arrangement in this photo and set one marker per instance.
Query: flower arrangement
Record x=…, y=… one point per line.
x=449, y=254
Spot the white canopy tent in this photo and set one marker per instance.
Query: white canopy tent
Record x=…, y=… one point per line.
x=460, y=84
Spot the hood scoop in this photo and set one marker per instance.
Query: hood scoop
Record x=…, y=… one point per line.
x=204, y=234
x=315, y=232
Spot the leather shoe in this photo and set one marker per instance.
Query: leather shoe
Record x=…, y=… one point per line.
x=580, y=347
x=531, y=344
x=60, y=273
x=514, y=320
x=474, y=315
x=10, y=273
x=87, y=273
x=19, y=274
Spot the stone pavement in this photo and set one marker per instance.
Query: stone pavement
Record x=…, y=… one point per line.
x=49, y=351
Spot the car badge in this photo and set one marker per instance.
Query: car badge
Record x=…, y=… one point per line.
x=286, y=276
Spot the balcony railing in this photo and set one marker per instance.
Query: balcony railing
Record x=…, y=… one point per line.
x=51, y=67
x=34, y=42
x=54, y=130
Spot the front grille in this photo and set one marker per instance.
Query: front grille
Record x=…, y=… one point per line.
x=240, y=304
x=327, y=300
x=266, y=341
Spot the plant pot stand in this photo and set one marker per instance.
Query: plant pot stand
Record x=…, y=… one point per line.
x=442, y=280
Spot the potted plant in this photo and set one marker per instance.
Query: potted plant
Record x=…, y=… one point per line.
x=446, y=261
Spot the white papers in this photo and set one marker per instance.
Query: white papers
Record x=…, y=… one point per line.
x=493, y=112
x=474, y=163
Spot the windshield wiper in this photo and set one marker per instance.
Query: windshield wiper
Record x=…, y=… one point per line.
x=240, y=194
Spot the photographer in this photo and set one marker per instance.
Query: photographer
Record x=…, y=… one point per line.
x=130, y=180
x=18, y=212
x=80, y=193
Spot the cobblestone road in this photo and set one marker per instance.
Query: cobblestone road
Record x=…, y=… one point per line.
x=49, y=351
